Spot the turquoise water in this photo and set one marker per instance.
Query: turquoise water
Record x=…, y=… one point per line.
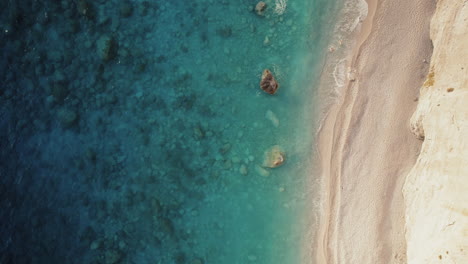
x=135, y=131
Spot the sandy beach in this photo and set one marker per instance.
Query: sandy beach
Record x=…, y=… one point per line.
x=365, y=145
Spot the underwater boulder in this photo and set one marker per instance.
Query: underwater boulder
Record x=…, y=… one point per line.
x=262, y=171
x=273, y=118
x=106, y=48
x=126, y=9
x=112, y=256
x=260, y=7
x=67, y=117
x=59, y=91
x=274, y=157
x=268, y=82
x=85, y=9
x=243, y=170
x=197, y=261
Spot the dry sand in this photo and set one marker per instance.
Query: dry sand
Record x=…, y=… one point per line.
x=365, y=147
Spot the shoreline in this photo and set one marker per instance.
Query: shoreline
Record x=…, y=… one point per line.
x=363, y=204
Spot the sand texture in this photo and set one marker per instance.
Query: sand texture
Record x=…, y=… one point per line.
x=366, y=148
x=436, y=190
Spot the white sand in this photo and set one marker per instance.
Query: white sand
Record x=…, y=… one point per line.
x=365, y=144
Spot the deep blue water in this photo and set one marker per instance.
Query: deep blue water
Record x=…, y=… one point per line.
x=135, y=131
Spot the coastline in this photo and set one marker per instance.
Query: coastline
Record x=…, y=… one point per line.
x=362, y=217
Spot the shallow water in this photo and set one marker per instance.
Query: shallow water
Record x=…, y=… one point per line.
x=135, y=132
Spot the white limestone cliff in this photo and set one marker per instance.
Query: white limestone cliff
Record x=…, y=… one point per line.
x=436, y=190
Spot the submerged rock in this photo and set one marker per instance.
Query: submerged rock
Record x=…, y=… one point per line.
x=67, y=117
x=126, y=9
x=225, y=148
x=224, y=32
x=260, y=7
x=268, y=82
x=243, y=170
x=197, y=261
x=274, y=157
x=272, y=117
x=198, y=132
x=85, y=9
x=94, y=245
x=106, y=48
x=59, y=91
x=112, y=256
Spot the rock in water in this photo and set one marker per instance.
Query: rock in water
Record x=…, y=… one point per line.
x=94, y=245
x=67, y=117
x=112, y=256
x=59, y=92
x=272, y=117
x=243, y=170
x=197, y=261
x=260, y=7
x=126, y=9
x=274, y=157
x=262, y=171
x=85, y=9
x=106, y=48
x=268, y=82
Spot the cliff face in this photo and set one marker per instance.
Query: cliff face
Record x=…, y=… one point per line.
x=436, y=190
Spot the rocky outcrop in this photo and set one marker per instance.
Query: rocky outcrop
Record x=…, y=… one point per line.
x=436, y=190
x=274, y=157
x=268, y=82
x=260, y=7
